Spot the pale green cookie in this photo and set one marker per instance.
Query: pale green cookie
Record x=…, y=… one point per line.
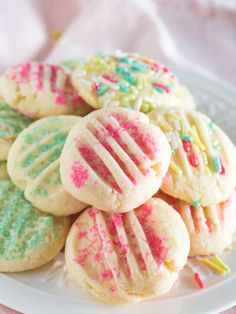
x=128, y=80
x=11, y=124
x=28, y=237
x=33, y=165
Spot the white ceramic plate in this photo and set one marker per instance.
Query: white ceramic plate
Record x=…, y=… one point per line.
x=48, y=289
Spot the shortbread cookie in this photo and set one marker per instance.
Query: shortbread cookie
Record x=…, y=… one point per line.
x=11, y=124
x=128, y=80
x=33, y=165
x=28, y=238
x=3, y=170
x=210, y=228
x=41, y=90
x=114, y=159
x=203, y=166
x=128, y=257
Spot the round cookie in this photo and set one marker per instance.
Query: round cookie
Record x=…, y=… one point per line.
x=3, y=170
x=128, y=80
x=122, y=258
x=210, y=228
x=28, y=238
x=11, y=124
x=203, y=166
x=33, y=165
x=41, y=90
x=114, y=159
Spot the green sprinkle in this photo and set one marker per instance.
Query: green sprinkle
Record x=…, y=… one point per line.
x=221, y=264
x=217, y=164
x=196, y=204
x=157, y=88
x=23, y=229
x=125, y=60
x=124, y=87
x=211, y=126
x=186, y=138
x=129, y=77
x=101, y=90
x=138, y=67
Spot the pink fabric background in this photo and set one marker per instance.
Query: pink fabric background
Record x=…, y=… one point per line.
x=196, y=34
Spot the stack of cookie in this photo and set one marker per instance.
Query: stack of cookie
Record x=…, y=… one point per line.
x=114, y=140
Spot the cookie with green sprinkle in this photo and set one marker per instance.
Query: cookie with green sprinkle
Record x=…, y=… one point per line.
x=33, y=165
x=28, y=237
x=202, y=170
x=11, y=124
x=128, y=80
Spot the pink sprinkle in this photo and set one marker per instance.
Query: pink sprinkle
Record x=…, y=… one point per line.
x=82, y=234
x=166, y=89
x=113, y=289
x=165, y=69
x=142, y=261
x=107, y=275
x=60, y=98
x=117, y=220
x=110, y=78
x=92, y=213
x=53, y=78
x=156, y=244
x=79, y=174
x=155, y=67
x=144, y=212
x=115, y=133
x=186, y=146
x=95, y=87
x=193, y=159
x=40, y=77
x=198, y=280
x=82, y=258
x=144, y=140
x=98, y=166
x=25, y=71
x=222, y=167
x=98, y=257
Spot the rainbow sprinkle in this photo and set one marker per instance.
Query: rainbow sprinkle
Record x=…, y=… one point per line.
x=217, y=164
x=101, y=90
x=213, y=266
x=221, y=264
x=196, y=204
x=198, y=280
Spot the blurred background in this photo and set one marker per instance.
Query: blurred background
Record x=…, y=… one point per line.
x=196, y=34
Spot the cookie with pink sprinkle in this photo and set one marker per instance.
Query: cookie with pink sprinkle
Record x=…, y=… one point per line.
x=124, y=258
x=129, y=80
x=39, y=90
x=114, y=159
